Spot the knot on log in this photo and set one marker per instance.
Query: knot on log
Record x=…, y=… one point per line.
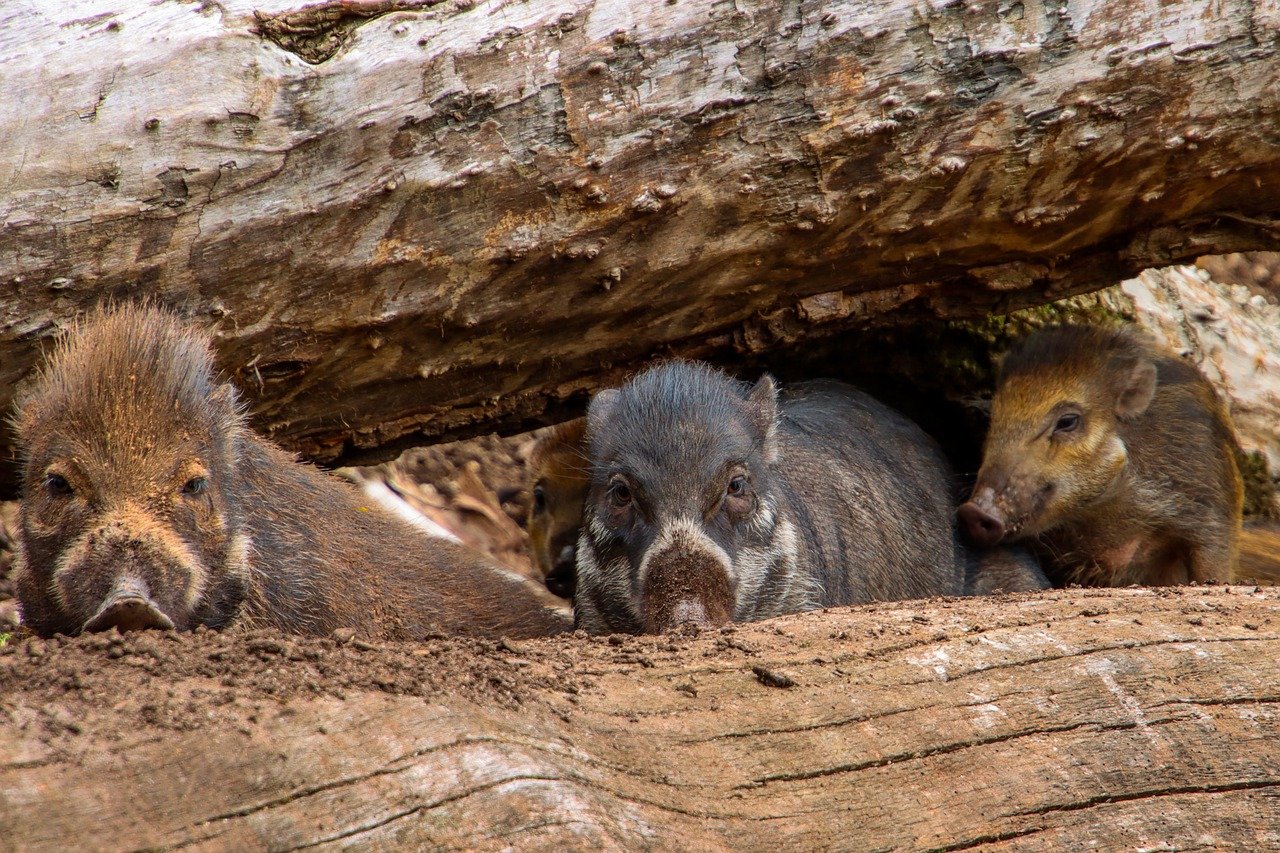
x=316, y=34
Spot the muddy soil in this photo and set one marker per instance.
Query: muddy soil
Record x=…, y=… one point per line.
x=1259, y=271
x=75, y=694
x=1053, y=718
x=110, y=687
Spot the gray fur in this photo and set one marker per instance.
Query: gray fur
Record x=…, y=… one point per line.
x=862, y=493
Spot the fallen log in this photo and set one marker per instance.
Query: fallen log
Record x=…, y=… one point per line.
x=1109, y=719
x=411, y=219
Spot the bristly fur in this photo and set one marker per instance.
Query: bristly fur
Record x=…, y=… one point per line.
x=166, y=366
x=129, y=406
x=671, y=402
x=1071, y=349
x=847, y=500
x=1142, y=488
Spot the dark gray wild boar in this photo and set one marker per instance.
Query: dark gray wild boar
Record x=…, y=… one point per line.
x=148, y=503
x=711, y=501
x=1004, y=568
x=1112, y=458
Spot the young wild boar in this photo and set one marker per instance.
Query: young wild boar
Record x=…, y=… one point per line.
x=148, y=503
x=711, y=501
x=559, y=468
x=1110, y=457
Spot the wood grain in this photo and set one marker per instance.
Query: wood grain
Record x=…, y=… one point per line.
x=1115, y=719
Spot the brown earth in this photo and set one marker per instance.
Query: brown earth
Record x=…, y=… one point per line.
x=107, y=688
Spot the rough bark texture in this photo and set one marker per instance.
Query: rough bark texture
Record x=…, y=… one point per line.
x=410, y=217
x=1118, y=719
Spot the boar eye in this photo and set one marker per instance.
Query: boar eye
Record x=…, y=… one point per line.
x=1066, y=423
x=58, y=486
x=619, y=494
x=195, y=486
x=539, y=499
x=737, y=487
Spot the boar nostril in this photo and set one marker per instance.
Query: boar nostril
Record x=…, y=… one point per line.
x=984, y=527
x=686, y=586
x=128, y=608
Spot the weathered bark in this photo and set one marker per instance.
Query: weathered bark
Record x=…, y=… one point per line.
x=1117, y=719
x=408, y=217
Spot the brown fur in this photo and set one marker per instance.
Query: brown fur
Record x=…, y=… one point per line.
x=140, y=474
x=1142, y=489
x=1259, y=560
x=560, y=472
x=1004, y=568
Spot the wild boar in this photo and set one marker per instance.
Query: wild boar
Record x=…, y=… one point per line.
x=710, y=500
x=1112, y=458
x=558, y=469
x=149, y=503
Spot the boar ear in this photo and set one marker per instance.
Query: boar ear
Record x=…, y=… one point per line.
x=763, y=404
x=1137, y=388
x=225, y=401
x=601, y=408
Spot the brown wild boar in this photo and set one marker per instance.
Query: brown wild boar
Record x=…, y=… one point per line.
x=559, y=470
x=148, y=503
x=1112, y=458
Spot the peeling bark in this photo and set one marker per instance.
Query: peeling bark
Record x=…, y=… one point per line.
x=413, y=220
x=1115, y=719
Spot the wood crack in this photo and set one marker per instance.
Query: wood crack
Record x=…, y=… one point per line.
x=946, y=749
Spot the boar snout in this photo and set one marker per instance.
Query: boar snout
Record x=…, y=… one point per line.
x=686, y=586
x=564, y=574
x=130, y=573
x=983, y=521
x=128, y=607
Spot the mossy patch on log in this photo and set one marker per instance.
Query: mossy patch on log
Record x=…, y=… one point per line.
x=1260, y=494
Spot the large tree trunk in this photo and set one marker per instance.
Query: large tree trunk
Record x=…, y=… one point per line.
x=409, y=217
x=1117, y=719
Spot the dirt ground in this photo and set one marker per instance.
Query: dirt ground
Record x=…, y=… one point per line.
x=1259, y=271
x=104, y=688
x=113, y=685
x=1123, y=719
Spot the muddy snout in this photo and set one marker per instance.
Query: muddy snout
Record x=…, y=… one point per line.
x=130, y=582
x=685, y=586
x=983, y=521
x=128, y=607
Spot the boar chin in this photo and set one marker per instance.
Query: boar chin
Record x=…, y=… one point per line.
x=685, y=586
